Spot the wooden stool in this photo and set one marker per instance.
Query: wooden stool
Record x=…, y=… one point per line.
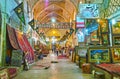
x=86, y=68
x=99, y=75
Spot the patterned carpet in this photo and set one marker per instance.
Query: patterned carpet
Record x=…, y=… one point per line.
x=62, y=57
x=42, y=64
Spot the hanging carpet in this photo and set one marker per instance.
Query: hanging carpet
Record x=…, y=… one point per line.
x=29, y=48
x=12, y=37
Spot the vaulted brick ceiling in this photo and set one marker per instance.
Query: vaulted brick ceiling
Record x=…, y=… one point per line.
x=62, y=10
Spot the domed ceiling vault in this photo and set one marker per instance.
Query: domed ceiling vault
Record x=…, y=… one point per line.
x=53, y=14
x=61, y=10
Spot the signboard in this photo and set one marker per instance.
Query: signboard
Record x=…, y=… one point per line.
x=89, y=10
x=80, y=23
x=57, y=25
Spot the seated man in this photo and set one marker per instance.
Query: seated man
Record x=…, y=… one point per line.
x=40, y=55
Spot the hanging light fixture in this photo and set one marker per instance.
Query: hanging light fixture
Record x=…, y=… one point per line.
x=53, y=19
x=113, y=21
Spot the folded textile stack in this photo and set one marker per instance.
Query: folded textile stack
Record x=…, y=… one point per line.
x=12, y=72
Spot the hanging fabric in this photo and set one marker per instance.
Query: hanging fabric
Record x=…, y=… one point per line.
x=12, y=37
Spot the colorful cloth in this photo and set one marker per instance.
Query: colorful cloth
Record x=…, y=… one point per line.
x=29, y=48
x=12, y=38
x=25, y=46
x=20, y=40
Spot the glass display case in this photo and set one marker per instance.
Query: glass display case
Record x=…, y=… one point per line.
x=82, y=51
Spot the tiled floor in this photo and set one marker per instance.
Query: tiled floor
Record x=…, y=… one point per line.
x=64, y=69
